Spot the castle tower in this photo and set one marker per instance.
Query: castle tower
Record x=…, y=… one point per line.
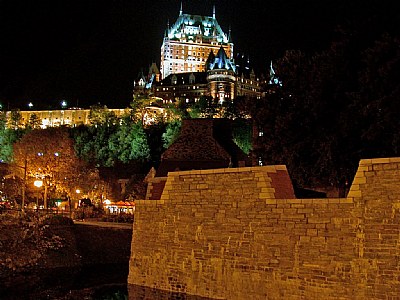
x=221, y=76
x=188, y=42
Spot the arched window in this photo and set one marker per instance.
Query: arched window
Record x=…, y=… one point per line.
x=192, y=78
x=174, y=79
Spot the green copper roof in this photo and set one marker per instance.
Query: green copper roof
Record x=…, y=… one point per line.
x=190, y=26
x=220, y=61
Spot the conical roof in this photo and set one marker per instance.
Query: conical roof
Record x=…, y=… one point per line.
x=220, y=61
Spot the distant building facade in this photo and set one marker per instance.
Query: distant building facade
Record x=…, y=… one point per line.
x=189, y=41
x=197, y=60
x=182, y=87
x=53, y=118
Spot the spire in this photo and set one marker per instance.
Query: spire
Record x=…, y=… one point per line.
x=214, y=11
x=180, y=12
x=273, y=79
x=166, y=30
x=271, y=70
x=229, y=35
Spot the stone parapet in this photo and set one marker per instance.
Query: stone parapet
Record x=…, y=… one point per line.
x=240, y=234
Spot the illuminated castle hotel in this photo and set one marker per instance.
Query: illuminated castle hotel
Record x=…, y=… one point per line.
x=197, y=60
x=189, y=41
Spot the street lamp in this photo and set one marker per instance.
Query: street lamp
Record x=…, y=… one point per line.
x=39, y=183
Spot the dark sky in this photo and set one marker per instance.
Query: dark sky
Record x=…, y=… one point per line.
x=90, y=51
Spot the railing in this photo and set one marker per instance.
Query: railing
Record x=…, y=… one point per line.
x=40, y=212
x=75, y=213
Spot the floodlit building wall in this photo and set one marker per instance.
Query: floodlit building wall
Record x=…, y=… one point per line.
x=54, y=118
x=238, y=234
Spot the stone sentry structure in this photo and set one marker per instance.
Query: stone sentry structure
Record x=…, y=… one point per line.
x=239, y=233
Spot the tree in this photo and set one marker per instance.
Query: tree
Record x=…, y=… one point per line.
x=171, y=133
x=138, y=107
x=101, y=115
x=378, y=98
x=206, y=107
x=15, y=119
x=7, y=138
x=129, y=142
x=242, y=132
x=335, y=107
x=48, y=154
x=34, y=122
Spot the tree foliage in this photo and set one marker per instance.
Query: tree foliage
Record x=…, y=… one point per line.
x=242, y=134
x=34, y=122
x=334, y=108
x=111, y=140
x=101, y=115
x=171, y=133
x=129, y=142
x=7, y=138
x=48, y=154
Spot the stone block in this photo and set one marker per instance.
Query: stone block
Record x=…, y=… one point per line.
x=312, y=232
x=359, y=180
x=380, y=160
x=266, y=196
x=270, y=201
x=354, y=194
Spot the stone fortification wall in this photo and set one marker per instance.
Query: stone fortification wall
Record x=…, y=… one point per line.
x=240, y=234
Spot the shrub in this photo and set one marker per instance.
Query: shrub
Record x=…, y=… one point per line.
x=57, y=220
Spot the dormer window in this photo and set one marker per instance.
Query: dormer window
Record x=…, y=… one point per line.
x=192, y=78
x=174, y=80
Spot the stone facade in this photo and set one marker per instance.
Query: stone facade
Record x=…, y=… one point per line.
x=239, y=233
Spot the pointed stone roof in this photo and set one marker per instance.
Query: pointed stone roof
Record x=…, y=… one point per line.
x=202, y=144
x=196, y=142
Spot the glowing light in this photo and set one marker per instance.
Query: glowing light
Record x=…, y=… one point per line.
x=78, y=191
x=30, y=104
x=38, y=183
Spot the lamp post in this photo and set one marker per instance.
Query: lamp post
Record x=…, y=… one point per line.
x=38, y=184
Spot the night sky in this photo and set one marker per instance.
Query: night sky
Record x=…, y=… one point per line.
x=90, y=51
